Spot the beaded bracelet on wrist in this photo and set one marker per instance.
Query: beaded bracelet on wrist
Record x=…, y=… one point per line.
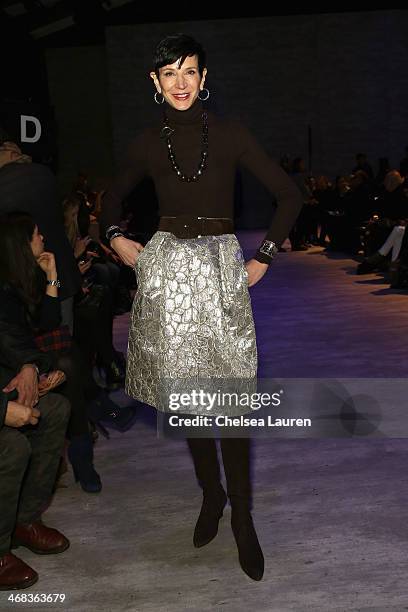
x=115, y=236
x=113, y=232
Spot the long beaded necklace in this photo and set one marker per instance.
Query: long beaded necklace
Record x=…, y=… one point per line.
x=167, y=131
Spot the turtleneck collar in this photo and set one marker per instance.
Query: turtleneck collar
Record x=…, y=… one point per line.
x=185, y=117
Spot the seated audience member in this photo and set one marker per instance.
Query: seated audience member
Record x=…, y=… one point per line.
x=394, y=210
x=355, y=202
x=32, y=188
x=323, y=194
x=299, y=231
x=31, y=440
x=378, y=260
x=93, y=310
x=336, y=220
x=395, y=198
x=29, y=305
x=103, y=262
x=107, y=268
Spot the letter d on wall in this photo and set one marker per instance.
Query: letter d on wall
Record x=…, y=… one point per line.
x=24, y=119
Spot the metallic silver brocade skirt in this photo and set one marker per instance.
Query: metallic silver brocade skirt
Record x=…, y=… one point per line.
x=191, y=318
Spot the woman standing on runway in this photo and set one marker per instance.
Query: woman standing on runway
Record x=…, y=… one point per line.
x=192, y=313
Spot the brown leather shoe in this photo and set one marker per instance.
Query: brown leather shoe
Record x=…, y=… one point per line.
x=39, y=539
x=15, y=574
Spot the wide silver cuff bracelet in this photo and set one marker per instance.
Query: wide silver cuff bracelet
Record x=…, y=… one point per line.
x=269, y=248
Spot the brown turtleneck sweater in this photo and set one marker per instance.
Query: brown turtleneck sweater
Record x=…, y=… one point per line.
x=229, y=144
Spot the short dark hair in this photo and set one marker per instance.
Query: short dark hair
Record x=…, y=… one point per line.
x=176, y=46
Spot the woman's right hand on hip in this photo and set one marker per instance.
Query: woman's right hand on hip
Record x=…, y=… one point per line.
x=128, y=250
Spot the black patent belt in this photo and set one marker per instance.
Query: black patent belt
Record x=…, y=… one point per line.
x=188, y=226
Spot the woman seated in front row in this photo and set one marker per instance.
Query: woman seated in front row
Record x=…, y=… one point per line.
x=29, y=301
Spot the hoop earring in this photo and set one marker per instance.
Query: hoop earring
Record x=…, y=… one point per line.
x=155, y=98
x=208, y=94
